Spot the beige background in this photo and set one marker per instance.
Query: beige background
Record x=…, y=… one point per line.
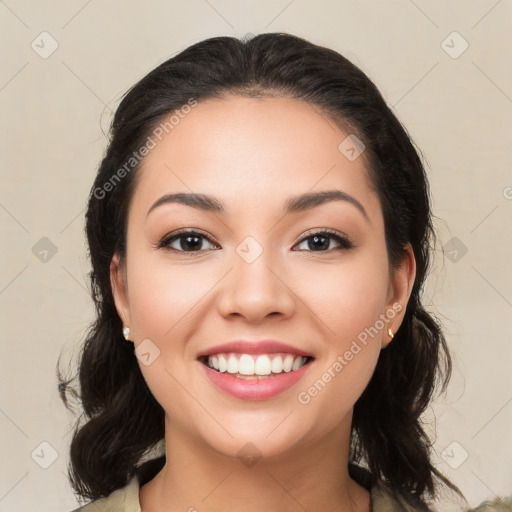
x=458, y=110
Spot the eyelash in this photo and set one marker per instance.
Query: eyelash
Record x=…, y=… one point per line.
x=345, y=242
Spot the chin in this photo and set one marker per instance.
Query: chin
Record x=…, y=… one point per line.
x=251, y=441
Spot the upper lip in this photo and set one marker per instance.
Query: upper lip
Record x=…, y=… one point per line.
x=254, y=347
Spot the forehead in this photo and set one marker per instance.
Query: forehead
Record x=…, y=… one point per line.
x=252, y=150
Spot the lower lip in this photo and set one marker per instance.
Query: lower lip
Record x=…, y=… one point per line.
x=255, y=389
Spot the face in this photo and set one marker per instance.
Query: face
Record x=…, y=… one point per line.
x=257, y=266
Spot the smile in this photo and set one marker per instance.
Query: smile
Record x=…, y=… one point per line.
x=244, y=365
x=255, y=376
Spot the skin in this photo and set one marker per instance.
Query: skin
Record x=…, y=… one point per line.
x=252, y=154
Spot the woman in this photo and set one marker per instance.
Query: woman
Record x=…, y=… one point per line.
x=259, y=232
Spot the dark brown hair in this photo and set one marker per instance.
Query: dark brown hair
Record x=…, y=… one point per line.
x=122, y=418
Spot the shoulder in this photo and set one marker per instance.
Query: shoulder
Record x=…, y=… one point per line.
x=387, y=499
x=383, y=497
x=500, y=504
x=125, y=499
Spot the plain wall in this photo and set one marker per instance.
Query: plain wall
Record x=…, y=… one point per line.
x=55, y=110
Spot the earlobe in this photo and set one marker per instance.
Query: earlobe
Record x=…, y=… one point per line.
x=119, y=289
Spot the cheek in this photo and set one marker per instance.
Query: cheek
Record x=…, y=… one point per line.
x=164, y=300
x=349, y=300
x=347, y=297
x=162, y=294
x=330, y=394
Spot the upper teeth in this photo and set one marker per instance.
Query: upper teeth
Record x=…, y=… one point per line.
x=247, y=364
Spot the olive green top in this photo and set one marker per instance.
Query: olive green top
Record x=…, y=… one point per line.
x=383, y=498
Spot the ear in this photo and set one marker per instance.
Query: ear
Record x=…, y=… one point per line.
x=400, y=288
x=120, y=289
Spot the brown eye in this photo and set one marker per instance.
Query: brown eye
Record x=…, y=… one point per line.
x=320, y=241
x=187, y=241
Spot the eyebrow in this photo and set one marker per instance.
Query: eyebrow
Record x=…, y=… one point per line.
x=293, y=204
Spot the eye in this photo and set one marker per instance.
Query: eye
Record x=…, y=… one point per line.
x=320, y=240
x=187, y=241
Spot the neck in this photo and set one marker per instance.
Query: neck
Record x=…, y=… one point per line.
x=313, y=477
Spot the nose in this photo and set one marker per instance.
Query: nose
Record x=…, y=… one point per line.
x=256, y=290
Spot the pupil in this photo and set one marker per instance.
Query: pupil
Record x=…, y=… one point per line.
x=325, y=245
x=191, y=244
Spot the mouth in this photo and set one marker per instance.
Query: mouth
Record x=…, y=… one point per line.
x=255, y=366
x=255, y=376
x=254, y=369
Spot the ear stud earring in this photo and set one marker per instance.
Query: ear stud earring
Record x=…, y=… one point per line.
x=126, y=333
x=390, y=333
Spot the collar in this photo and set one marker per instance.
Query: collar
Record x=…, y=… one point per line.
x=383, y=498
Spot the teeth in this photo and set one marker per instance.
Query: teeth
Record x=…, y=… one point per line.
x=290, y=364
x=232, y=364
x=296, y=364
x=263, y=366
x=223, y=364
x=246, y=364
